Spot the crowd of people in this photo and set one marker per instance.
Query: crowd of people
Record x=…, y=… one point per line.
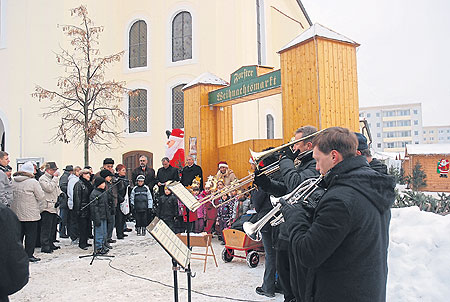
x=322, y=251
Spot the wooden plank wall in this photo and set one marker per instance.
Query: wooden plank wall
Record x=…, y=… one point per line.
x=237, y=155
x=429, y=166
x=224, y=126
x=338, y=84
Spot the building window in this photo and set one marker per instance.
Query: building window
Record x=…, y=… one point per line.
x=416, y=132
x=379, y=145
x=178, y=107
x=416, y=142
x=415, y=111
x=424, y=138
x=378, y=134
x=441, y=131
x=138, y=45
x=368, y=114
x=361, y=115
x=416, y=122
x=378, y=125
x=182, y=37
x=270, y=126
x=431, y=138
x=378, y=114
x=431, y=131
x=137, y=111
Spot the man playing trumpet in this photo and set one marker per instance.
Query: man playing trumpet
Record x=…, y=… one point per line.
x=345, y=245
x=291, y=177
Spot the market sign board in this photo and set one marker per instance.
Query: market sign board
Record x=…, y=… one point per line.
x=245, y=82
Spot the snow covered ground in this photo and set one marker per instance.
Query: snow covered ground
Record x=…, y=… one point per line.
x=419, y=269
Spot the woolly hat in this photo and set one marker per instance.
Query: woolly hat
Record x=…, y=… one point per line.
x=140, y=177
x=27, y=167
x=105, y=173
x=98, y=181
x=108, y=161
x=362, y=141
x=223, y=164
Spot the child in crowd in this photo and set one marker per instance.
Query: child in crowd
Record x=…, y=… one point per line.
x=224, y=212
x=141, y=200
x=199, y=224
x=99, y=214
x=168, y=208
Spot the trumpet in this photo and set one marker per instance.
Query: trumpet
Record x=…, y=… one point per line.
x=299, y=194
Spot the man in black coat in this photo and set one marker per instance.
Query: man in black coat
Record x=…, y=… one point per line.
x=345, y=245
x=190, y=172
x=144, y=169
x=13, y=259
x=291, y=177
x=166, y=173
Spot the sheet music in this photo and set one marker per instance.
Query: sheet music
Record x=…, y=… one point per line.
x=184, y=195
x=170, y=242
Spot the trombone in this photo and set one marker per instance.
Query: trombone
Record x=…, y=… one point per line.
x=299, y=194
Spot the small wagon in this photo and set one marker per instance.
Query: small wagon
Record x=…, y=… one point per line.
x=236, y=240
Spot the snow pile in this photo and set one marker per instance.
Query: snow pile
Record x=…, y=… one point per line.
x=419, y=269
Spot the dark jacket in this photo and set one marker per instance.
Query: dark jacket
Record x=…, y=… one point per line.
x=345, y=246
x=81, y=197
x=167, y=207
x=13, y=259
x=141, y=198
x=122, y=188
x=99, y=207
x=164, y=175
x=149, y=173
x=63, y=181
x=378, y=166
x=188, y=174
x=261, y=201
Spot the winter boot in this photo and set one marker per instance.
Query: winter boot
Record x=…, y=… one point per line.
x=138, y=231
x=143, y=231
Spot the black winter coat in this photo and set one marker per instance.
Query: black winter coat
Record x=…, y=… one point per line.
x=345, y=247
x=261, y=201
x=13, y=259
x=99, y=207
x=188, y=174
x=149, y=173
x=81, y=197
x=122, y=187
x=164, y=175
x=378, y=166
x=167, y=207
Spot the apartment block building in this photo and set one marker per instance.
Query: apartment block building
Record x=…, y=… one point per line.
x=394, y=126
x=436, y=135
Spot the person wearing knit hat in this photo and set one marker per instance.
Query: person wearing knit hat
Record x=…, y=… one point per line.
x=142, y=203
x=175, y=148
x=27, y=167
x=225, y=173
x=99, y=215
x=105, y=174
x=363, y=149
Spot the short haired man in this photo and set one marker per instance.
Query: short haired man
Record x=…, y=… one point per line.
x=190, y=172
x=50, y=185
x=5, y=184
x=144, y=169
x=363, y=149
x=345, y=245
x=166, y=173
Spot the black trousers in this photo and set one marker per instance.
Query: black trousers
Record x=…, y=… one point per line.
x=141, y=219
x=283, y=270
x=48, y=229
x=84, y=229
x=120, y=220
x=29, y=231
x=72, y=227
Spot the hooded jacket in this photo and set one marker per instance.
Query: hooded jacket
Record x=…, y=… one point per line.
x=345, y=247
x=378, y=166
x=28, y=197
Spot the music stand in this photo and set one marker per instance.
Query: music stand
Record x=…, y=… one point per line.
x=180, y=253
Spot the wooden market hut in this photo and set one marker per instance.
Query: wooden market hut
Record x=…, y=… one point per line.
x=434, y=159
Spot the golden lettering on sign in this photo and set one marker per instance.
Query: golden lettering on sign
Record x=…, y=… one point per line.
x=242, y=75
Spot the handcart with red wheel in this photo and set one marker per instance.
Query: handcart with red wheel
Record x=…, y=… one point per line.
x=236, y=240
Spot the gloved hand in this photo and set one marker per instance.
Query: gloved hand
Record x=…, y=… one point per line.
x=292, y=213
x=287, y=152
x=261, y=180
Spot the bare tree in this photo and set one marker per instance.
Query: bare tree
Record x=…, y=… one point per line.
x=86, y=104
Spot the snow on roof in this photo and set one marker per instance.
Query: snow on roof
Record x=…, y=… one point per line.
x=320, y=31
x=386, y=155
x=428, y=149
x=206, y=78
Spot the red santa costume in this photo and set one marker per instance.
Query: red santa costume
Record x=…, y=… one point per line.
x=175, y=148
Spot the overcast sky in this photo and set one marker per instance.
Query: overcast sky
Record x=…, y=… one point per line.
x=404, y=55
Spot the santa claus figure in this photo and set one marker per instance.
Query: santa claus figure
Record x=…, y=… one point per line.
x=175, y=148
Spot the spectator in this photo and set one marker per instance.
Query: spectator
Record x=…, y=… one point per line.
x=99, y=214
x=190, y=172
x=144, y=169
x=224, y=173
x=81, y=194
x=111, y=192
x=141, y=200
x=168, y=208
x=28, y=199
x=166, y=173
x=363, y=149
x=73, y=217
x=122, y=187
x=5, y=185
x=49, y=183
x=13, y=259
x=224, y=212
x=63, y=206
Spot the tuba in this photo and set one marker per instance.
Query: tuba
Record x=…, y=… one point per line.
x=300, y=194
